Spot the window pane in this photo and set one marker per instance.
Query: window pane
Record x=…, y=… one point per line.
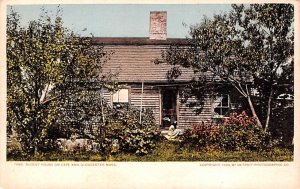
x=217, y=102
x=218, y=111
x=225, y=111
x=121, y=96
x=225, y=101
x=116, y=97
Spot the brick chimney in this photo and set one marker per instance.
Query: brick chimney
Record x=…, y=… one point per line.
x=158, y=25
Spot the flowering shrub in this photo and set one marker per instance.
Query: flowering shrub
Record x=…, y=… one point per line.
x=241, y=132
x=202, y=136
x=240, y=119
x=238, y=132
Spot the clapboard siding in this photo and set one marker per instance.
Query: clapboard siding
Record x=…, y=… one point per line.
x=108, y=97
x=151, y=99
x=187, y=116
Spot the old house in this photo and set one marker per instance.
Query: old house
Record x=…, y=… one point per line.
x=146, y=84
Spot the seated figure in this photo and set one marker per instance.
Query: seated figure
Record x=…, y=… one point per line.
x=173, y=133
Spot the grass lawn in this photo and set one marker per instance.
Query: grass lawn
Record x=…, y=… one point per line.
x=167, y=151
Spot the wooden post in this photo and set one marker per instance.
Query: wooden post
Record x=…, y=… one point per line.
x=101, y=103
x=141, y=102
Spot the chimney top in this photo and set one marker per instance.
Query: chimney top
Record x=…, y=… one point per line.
x=158, y=25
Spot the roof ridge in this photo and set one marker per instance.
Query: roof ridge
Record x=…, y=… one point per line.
x=137, y=41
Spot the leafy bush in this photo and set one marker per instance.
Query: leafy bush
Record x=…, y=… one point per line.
x=14, y=149
x=125, y=133
x=282, y=124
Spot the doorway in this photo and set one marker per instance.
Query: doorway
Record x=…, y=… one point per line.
x=169, y=107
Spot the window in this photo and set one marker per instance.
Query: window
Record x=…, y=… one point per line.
x=221, y=106
x=120, y=98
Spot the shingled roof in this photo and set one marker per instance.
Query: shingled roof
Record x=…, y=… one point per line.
x=133, y=59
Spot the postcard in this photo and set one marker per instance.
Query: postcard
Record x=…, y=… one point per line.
x=148, y=94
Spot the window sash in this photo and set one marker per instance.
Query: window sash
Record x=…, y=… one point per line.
x=218, y=105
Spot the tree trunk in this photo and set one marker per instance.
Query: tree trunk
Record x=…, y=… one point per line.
x=102, y=110
x=35, y=147
x=141, y=108
x=253, y=111
x=269, y=109
x=35, y=150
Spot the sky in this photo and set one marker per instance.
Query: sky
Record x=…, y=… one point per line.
x=123, y=20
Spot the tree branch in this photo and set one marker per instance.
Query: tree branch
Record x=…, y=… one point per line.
x=243, y=89
x=49, y=100
x=247, y=90
x=242, y=93
x=45, y=92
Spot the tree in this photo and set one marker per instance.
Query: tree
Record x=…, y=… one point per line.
x=44, y=60
x=251, y=47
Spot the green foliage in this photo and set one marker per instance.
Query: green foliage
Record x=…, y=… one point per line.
x=282, y=125
x=81, y=114
x=14, y=149
x=125, y=133
x=44, y=60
